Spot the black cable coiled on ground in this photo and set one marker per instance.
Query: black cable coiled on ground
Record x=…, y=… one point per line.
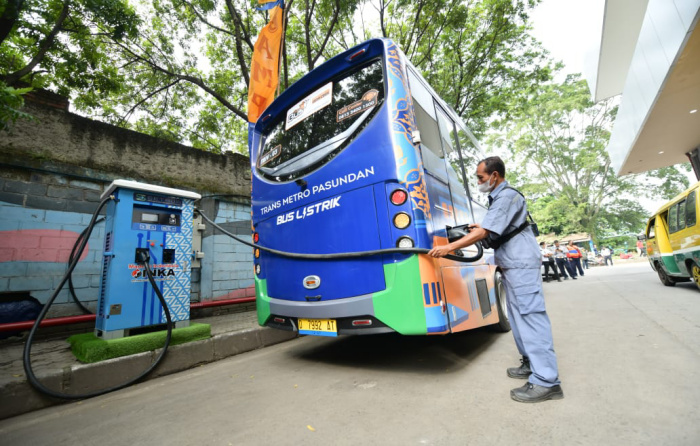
x=26, y=360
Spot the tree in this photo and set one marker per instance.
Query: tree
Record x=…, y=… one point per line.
x=478, y=56
x=59, y=44
x=178, y=69
x=557, y=139
x=11, y=103
x=190, y=66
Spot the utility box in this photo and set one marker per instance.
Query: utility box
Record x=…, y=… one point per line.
x=157, y=221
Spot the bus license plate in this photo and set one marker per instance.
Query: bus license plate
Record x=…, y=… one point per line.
x=318, y=327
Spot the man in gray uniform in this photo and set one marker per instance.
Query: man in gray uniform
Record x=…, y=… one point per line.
x=519, y=260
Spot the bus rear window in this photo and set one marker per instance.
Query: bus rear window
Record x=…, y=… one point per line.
x=322, y=124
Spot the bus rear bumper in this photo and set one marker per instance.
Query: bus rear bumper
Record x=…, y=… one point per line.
x=283, y=314
x=398, y=308
x=323, y=310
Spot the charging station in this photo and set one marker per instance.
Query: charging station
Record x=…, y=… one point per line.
x=155, y=222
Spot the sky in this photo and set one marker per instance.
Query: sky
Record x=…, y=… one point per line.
x=570, y=30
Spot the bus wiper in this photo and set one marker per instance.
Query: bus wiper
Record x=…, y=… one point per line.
x=320, y=151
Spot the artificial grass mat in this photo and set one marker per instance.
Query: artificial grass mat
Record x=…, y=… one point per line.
x=89, y=348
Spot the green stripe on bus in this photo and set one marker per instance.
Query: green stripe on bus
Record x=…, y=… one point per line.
x=262, y=301
x=670, y=264
x=400, y=305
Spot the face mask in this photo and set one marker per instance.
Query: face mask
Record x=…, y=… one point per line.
x=486, y=187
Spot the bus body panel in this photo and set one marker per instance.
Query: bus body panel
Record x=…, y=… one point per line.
x=400, y=306
x=407, y=157
x=329, y=225
x=471, y=296
x=685, y=242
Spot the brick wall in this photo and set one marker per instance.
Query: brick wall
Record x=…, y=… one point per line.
x=52, y=173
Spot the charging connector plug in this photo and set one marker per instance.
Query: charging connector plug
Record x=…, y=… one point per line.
x=142, y=255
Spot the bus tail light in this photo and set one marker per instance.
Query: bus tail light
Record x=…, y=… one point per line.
x=257, y=269
x=280, y=320
x=402, y=220
x=257, y=253
x=404, y=242
x=361, y=322
x=398, y=197
x=256, y=237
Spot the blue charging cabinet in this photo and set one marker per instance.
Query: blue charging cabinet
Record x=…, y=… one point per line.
x=157, y=220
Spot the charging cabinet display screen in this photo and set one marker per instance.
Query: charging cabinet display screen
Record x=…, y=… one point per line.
x=149, y=218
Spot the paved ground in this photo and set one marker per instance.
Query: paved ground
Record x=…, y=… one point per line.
x=57, y=368
x=629, y=352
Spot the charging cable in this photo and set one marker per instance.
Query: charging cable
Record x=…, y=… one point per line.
x=345, y=255
x=26, y=360
x=71, y=288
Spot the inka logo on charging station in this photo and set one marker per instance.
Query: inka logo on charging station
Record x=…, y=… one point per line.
x=310, y=210
x=160, y=272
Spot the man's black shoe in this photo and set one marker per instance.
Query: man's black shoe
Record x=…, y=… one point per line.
x=522, y=372
x=558, y=280
x=574, y=278
x=532, y=393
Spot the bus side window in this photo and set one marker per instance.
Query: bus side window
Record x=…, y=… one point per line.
x=449, y=145
x=471, y=157
x=447, y=133
x=651, y=233
x=681, y=215
x=690, y=218
x=673, y=219
x=425, y=115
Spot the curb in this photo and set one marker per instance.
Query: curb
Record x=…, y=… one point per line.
x=19, y=397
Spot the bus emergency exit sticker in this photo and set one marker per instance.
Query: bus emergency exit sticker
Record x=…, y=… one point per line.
x=309, y=105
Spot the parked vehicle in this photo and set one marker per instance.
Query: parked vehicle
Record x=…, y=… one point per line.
x=673, y=239
x=356, y=156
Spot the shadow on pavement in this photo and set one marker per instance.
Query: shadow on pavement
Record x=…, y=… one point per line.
x=412, y=354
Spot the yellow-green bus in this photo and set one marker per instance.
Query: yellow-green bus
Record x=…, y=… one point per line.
x=673, y=239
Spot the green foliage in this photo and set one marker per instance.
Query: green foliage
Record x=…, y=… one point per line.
x=557, y=139
x=61, y=45
x=477, y=55
x=179, y=69
x=11, y=102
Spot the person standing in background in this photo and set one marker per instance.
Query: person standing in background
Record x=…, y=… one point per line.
x=574, y=256
x=548, y=262
x=562, y=263
x=584, y=258
x=607, y=255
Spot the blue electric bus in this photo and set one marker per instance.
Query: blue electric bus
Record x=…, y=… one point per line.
x=358, y=156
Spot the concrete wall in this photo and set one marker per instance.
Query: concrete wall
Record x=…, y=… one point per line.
x=54, y=169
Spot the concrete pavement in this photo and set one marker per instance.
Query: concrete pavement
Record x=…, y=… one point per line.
x=57, y=368
x=629, y=357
